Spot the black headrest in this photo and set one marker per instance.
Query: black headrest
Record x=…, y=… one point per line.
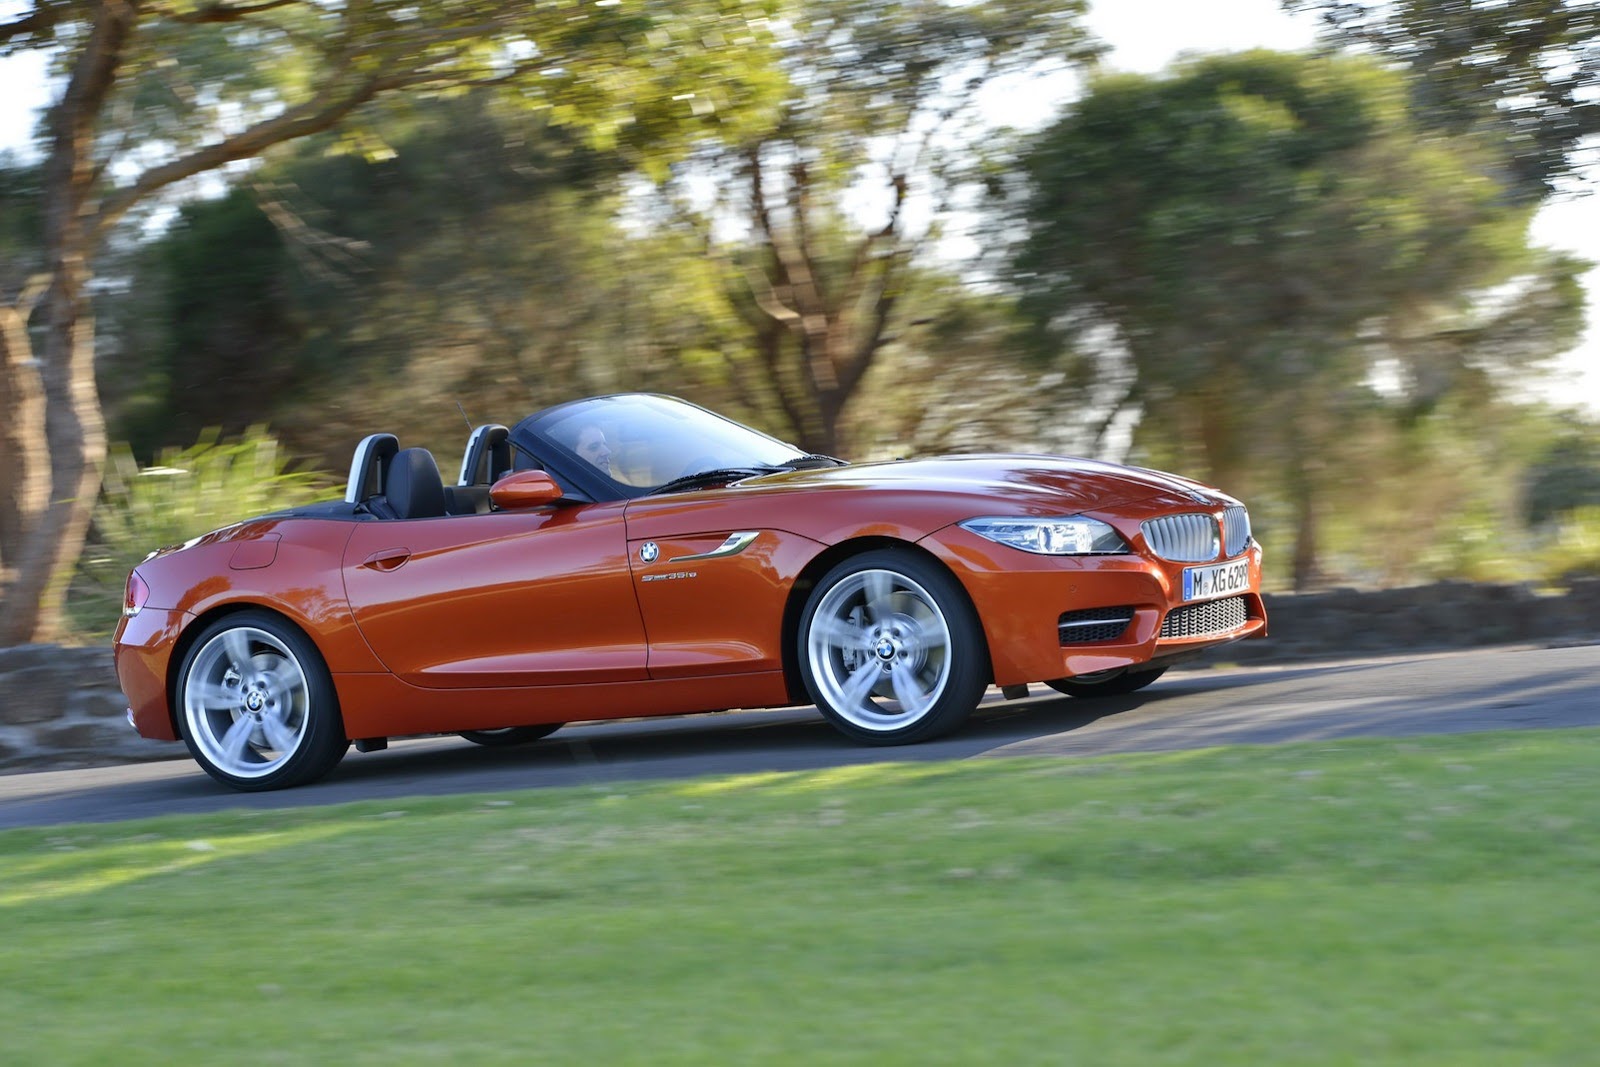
x=414, y=489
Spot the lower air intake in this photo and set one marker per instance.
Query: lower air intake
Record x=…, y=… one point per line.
x=1093, y=624
x=1199, y=620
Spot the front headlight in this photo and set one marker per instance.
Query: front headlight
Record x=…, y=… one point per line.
x=1069, y=535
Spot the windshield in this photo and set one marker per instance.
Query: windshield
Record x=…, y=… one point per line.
x=641, y=442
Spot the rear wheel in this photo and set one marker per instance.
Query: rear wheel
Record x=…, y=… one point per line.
x=891, y=650
x=511, y=735
x=1115, y=682
x=258, y=709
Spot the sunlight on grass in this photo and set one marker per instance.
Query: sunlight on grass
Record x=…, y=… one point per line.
x=76, y=869
x=789, y=783
x=735, y=783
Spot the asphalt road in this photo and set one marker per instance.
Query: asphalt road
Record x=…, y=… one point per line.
x=1493, y=689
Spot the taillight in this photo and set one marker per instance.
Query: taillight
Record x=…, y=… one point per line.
x=136, y=594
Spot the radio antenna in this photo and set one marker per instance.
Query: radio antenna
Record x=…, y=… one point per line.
x=464, y=414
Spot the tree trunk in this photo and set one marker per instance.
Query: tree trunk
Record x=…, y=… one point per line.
x=1305, y=469
x=52, y=531
x=54, y=528
x=24, y=488
x=1228, y=466
x=1305, y=563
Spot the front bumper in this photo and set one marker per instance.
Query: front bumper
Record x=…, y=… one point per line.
x=1021, y=597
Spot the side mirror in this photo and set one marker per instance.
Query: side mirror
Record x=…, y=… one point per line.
x=524, y=489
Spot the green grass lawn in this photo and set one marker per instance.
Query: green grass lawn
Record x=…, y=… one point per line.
x=1428, y=901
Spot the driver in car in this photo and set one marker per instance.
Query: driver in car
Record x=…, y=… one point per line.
x=591, y=445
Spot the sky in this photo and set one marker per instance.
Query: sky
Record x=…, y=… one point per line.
x=1145, y=36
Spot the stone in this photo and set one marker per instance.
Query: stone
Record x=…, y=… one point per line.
x=36, y=692
x=93, y=736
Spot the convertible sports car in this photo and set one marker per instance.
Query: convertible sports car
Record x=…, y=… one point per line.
x=636, y=555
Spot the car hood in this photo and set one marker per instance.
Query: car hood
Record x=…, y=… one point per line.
x=1037, y=484
x=910, y=499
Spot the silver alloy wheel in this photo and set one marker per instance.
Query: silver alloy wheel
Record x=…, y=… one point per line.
x=879, y=650
x=246, y=702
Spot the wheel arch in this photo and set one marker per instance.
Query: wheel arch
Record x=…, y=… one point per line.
x=821, y=564
x=192, y=632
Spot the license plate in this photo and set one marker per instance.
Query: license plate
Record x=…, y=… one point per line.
x=1219, y=579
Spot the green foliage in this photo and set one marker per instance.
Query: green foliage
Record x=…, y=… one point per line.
x=350, y=290
x=809, y=218
x=1254, y=237
x=648, y=79
x=1570, y=547
x=1518, y=75
x=1566, y=474
x=864, y=70
x=208, y=333
x=1249, y=212
x=959, y=381
x=185, y=493
x=21, y=223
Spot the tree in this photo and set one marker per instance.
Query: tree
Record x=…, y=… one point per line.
x=1566, y=474
x=335, y=288
x=1521, y=73
x=1236, y=240
x=965, y=382
x=155, y=94
x=484, y=258
x=883, y=105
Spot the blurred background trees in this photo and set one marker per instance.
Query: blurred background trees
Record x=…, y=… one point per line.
x=1517, y=76
x=1305, y=277
x=817, y=221
x=1271, y=225
x=153, y=96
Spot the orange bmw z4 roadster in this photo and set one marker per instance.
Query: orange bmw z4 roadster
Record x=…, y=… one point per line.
x=637, y=555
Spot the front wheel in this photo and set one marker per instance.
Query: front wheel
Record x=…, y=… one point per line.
x=257, y=704
x=511, y=735
x=1116, y=682
x=891, y=649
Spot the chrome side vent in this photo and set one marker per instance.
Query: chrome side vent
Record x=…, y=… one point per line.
x=1235, y=530
x=1093, y=625
x=1183, y=538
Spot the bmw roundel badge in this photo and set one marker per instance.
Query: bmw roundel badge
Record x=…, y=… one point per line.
x=649, y=552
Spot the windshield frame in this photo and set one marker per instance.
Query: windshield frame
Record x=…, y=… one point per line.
x=650, y=430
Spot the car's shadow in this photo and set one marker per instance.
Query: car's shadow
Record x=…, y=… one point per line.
x=786, y=739
x=727, y=743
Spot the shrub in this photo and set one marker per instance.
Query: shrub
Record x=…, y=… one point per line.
x=1572, y=546
x=185, y=493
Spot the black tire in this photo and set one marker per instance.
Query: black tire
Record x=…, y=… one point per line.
x=1116, y=682
x=890, y=649
x=256, y=705
x=511, y=735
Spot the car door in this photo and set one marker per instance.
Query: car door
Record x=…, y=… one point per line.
x=507, y=599
x=712, y=584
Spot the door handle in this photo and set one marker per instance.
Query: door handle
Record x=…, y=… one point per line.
x=387, y=559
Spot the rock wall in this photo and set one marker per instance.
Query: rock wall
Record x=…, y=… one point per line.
x=61, y=707
x=1347, y=623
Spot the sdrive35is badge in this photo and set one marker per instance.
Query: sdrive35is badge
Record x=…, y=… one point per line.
x=649, y=552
